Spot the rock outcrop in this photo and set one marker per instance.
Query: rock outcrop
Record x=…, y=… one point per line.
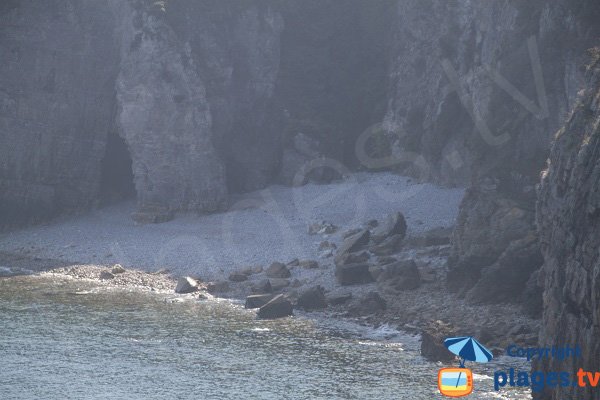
x=568, y=218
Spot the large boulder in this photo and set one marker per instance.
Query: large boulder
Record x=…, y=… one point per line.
x=278, y=307
x=257, y=300
x=506, y=279
x=371, y=303
x=186, y=285
x=353, y=243
x=389, y=245
x=399, y=276
x=432, y=342
x=353, y=274
x=312, y=299
x=394, y=224
x=278, y=270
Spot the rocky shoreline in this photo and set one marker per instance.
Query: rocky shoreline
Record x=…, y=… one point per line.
x=382, y=276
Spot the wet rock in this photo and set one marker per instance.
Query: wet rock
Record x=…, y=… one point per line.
x=186, y=285
x=294, y=263
x=257, y=300
x=278, y=307
x=373, y=223
x=338, y=299
x=312, y=299
x=278, y=284
x=309, y=264
x=327, y=245
x=217, y=287
x=388, y=246
x=394, y=224
x=278, y=270
x=117, y=269
x=353, y=274
x=261, y=287
x=432, y=342
x=371, y=303
x=105, y=275
x=238, y=277
x=399, y=276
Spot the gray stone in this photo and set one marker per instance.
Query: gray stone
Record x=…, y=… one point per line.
x=278, y=284
x=312, y=299
x=238, y=277
x=399, y=276
x=105, y=275
x=278, y=307
x=339, y=299
x=262, y=286
x=278, y=270
x=257, y=300
x=353, y=274
x=394, y=224
x=117, y=269
x=186, y=285
x=388, y=246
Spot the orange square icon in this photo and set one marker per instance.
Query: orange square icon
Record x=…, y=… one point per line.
x=455, y=382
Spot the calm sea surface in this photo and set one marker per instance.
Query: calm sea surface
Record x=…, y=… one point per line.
x=68, y=339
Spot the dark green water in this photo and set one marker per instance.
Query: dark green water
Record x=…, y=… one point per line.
x=66, y=339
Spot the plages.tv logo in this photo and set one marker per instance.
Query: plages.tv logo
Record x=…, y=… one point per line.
x=458, y=382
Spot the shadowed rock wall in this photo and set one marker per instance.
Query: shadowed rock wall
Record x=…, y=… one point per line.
x=568, y=218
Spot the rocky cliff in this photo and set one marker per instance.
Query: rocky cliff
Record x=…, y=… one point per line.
x=60, y=60
x=568, y=218
x=179, y=93
x=476, y=90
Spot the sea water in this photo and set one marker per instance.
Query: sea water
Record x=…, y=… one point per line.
x=62, y=338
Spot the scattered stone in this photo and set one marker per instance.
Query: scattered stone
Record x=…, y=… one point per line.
x=388, y=246
x=370, y=304
x=256, y=269
x=312, y=299
x=238, y=277
x=353, y=274
x=338, y=299
x=257, y=300
x=394, y=224
x=322, y=228
x=432, y=342
x=352, y=258
x=294, y=263
x=152, y=214
x=278, y=307
x=186, y=285
x=278, y=284
x=401, y=275
x=105, y=275
x=278, y=270
x=117, y=269
x=354, y=242
x=309, y=264
x=261, y=287
x=217, y=287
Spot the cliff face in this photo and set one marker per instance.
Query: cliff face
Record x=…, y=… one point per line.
x=568, y=218
x=59, y=63
x=476, y=90
x=189, y=86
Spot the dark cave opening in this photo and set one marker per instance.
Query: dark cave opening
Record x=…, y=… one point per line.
x=116, y=182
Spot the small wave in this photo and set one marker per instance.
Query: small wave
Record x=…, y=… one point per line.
x=261, y=330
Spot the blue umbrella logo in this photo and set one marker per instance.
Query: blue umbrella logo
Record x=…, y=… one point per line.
x=467, y=348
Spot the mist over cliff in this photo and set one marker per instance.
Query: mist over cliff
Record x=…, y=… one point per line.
x=182, y=103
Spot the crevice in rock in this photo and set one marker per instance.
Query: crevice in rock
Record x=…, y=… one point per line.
x=116, y=182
